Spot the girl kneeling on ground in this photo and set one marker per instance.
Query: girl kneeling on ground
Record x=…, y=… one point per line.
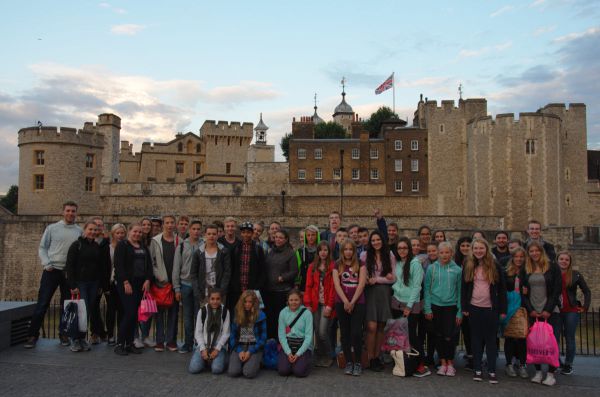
x=295, y=331
x=212, y=335
x=248, y=336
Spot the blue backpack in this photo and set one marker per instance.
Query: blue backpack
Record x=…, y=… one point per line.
x=270, y=354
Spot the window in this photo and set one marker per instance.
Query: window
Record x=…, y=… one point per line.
x=374, y=153
x=355, y=173
x=398, y=186
x=337, y=173
x=301, y=174
x=38, y=182
x=530, y=146
x=228, y=168
x=198, y=148
x=318, y=173
x=374, y=173
x=355, y=154
x=318, y=153
x=414, y=165
x=89, y=160
x=179, y=168
x=39, y=157
x=414, y=145
x=180, y=147
x=301, y=154
x=415, y=186
x=198, y=168
x=89, y=184
x=398, y=145
x=398, y=165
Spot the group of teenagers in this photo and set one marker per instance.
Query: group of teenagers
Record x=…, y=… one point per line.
x=239, y=291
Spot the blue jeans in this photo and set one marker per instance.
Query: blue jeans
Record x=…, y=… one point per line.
x=88, y=291
x=197, y=363
x=568, y=326
x=190, y=309
x=171, y=313
x=50, y=281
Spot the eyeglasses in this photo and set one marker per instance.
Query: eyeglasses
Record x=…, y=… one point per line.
x=402, y=248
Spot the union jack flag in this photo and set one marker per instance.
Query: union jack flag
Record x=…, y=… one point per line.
x=386, y=85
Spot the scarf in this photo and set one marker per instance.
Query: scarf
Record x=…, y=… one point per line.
x=213, y=324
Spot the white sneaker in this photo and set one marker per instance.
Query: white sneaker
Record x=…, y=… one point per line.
x=138, y=343
x=537, y=378
x=147, y=342
x=550, y=380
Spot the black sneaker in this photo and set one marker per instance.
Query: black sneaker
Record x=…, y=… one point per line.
x=493, y=379
x=31, y=342
x=133, y=350
x=567, y=370
x=120, y=350
x=477, y=376
x=376, y=365
x=64, y=340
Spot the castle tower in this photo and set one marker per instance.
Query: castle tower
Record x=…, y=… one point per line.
x=343, y=113
x=261, y=132
x=315, y=117
x=260, y=152
x=110, y=126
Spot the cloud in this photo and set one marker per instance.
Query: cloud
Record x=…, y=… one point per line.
x=466, y=53
x=501, y=11
x=577, y=35
x=538, y=3
x=128, y=29
x=109, y=6
x=151, y=109
x=544, y=29
x=573, y=76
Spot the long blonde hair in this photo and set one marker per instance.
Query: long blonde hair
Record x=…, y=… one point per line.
x=569, y=271
x=487, y=262
x=355, y=266
x=511, y=268
x=242, y=317
x=544, y=263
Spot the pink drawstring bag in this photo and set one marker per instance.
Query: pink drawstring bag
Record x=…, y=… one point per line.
x=541, y=345
x=396, y=335
x=147, y=307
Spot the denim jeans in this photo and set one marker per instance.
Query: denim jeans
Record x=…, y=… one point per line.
x=168, y=335
x=322, y=326
x=568, y=326
x=484, y=328
x=130, y=304
x=88, y=291
x=50, y=281
x=190, y=310
x=197, y=363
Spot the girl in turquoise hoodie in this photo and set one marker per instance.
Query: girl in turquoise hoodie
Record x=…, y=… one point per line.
x=406, y=299
x=442, y=305
x=295, y=332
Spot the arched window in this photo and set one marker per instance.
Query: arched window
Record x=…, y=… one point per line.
x=180, y=147
x=198, y=148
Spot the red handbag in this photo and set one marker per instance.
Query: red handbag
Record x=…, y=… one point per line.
x=162, y=295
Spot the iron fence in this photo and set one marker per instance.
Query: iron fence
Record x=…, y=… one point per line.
x=587, y=336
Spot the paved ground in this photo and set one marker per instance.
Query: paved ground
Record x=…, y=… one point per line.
x=52, y=370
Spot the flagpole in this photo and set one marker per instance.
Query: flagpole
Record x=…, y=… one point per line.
x=394, y=94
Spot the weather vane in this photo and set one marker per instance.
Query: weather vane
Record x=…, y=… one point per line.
x=315, y=99
x=460, y=90
x=343, y=84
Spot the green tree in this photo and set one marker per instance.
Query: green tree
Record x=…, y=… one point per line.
x=329, y=130
x=11, y=199
x=285, y=145
x=373, y=124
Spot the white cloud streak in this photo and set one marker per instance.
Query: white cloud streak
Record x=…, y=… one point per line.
x=501, y=11
x=127, y=29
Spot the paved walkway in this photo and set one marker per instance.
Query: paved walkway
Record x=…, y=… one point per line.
x=52, y=370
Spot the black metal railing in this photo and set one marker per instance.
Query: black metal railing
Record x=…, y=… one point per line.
x=587, y=337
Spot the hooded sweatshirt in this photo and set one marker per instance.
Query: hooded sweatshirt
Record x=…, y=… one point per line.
x=305, y=256
x=281, y=261
x=442, y=286
x=409, y=294
x=55, y=244
x=302, y=329
x=182, y=264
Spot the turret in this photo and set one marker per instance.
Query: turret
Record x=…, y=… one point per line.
x=110, y=126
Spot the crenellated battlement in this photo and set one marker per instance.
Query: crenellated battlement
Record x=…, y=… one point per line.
x=450, y=104
x=88, y=136
x=523, y=117
x=226, y=129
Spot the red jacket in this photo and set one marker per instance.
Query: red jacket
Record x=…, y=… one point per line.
x=311, y=293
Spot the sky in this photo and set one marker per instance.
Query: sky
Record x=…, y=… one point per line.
x=166, y=67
